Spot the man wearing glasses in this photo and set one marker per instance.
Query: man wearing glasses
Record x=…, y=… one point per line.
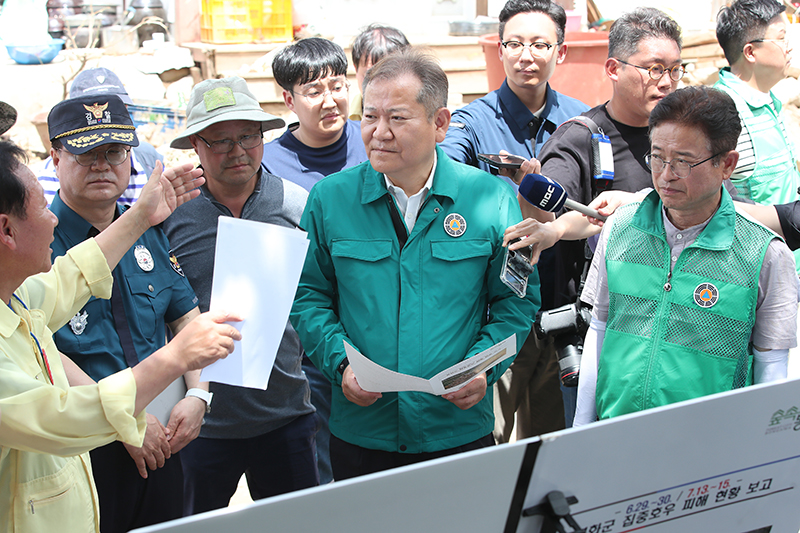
x=267, y=434
x=644, y=65
x=313, y=74
x=91, y=138
x=518, y=118
x=690, y=298
x=752, y=34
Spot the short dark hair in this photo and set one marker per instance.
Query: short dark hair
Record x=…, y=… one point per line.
x=307, y=60
x=422, y=65
x=642, y=23
x=13, y=193
x=744, y=21
x=548, y=7
x=375, y=42
x=706, y=108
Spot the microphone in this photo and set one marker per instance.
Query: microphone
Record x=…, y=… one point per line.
x=548, y=195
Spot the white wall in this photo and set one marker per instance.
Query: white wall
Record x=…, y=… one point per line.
x=690, y=14
x=427, y=20
x=420, y=20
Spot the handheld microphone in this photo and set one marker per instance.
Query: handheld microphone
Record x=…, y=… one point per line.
x=548, y=195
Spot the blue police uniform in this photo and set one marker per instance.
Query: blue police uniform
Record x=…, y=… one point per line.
x=151, y=298
x=154, y=292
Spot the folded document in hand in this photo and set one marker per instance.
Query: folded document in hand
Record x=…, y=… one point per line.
x=372, y=377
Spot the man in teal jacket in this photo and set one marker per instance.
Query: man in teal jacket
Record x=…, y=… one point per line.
x=404, y=264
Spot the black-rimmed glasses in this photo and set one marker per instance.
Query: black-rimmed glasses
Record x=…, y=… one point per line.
x=537, y=49
x=658, y=70
x=248, y=142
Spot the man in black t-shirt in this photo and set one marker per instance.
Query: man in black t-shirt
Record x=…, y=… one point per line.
x=644, y=65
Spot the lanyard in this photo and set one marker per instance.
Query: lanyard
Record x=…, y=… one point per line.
x=35, y=340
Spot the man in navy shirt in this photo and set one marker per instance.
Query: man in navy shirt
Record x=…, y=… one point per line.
x=518, y=118
x=313, y=74
x=91, y=141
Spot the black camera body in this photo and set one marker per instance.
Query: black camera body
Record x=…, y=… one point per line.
x=567, y=326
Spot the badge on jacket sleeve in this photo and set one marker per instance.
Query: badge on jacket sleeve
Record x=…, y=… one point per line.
x=78, y=323
x=143, y=258
x=455, y=225
x=173, y=262
x=706, y=295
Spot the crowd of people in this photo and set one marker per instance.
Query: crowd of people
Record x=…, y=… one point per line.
x=108, y=263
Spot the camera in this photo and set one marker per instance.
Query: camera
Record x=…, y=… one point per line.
x=567, y=326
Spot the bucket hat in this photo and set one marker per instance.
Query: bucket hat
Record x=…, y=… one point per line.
x=214, y=101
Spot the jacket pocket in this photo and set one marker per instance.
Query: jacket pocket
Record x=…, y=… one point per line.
x=45, y=503
x=463, y=262
x=363, y=250
x=362, y=263
x=459, y=250
x=151, y=297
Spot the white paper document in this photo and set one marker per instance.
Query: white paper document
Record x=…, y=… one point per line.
x=256, y=270
x=372, y=377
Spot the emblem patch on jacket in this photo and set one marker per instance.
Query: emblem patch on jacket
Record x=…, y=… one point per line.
x=143, y=258
x=173, y=262
x=455, y=225
x=706, y=295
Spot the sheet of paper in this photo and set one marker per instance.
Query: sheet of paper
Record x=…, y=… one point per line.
x=373, y=377
x=256, y=270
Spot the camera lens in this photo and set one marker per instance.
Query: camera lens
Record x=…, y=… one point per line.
x=569, y=364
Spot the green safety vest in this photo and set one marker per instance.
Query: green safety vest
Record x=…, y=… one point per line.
x=676, y=337
x=775, y=178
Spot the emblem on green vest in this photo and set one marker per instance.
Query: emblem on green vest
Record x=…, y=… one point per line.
x=706, y=295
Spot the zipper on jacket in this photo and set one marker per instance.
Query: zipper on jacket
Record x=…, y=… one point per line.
x=656, y=333
x=32, y=502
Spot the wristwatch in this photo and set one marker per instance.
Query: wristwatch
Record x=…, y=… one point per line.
x=203, y=395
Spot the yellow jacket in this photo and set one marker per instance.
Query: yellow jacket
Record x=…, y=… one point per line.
x=46, y=430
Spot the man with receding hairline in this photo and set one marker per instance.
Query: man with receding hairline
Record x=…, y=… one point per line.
x=404, y=264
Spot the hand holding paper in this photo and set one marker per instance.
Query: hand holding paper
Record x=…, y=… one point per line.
x=373, y=377
x=469, y=394
x=353, y=391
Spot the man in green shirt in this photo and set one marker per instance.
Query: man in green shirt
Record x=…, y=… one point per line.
x=752, y=34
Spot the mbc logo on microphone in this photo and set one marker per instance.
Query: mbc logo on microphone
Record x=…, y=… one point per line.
x=547, y=195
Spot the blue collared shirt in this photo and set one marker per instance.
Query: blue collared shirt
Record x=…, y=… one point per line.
x=500, y=121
